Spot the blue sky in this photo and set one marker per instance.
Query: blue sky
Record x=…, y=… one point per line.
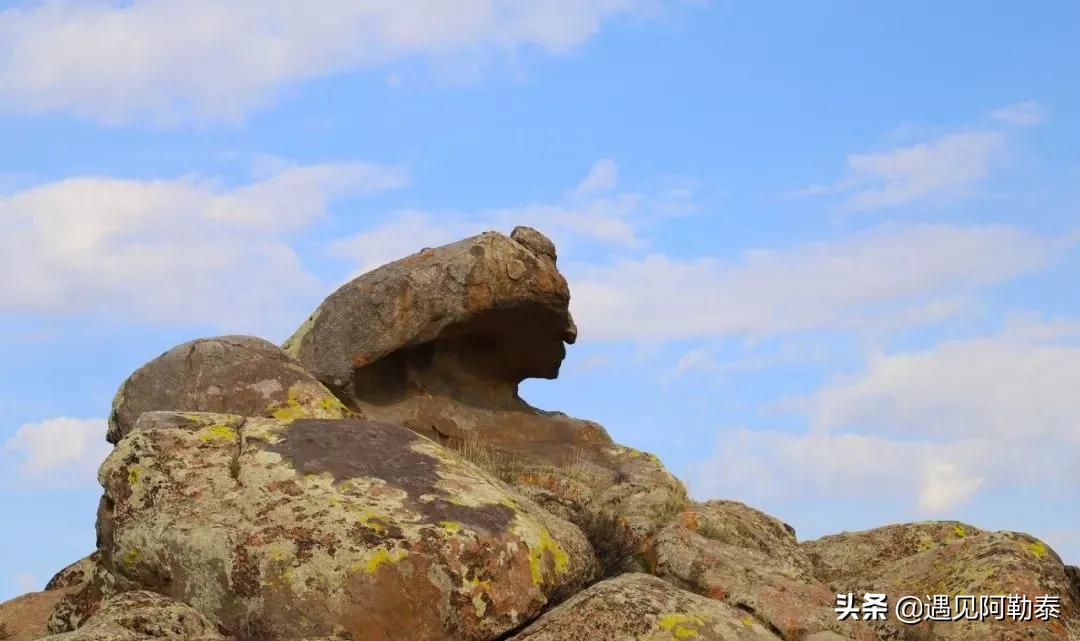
x=823, y=255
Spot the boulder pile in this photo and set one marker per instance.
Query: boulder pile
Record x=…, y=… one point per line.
x=379, y=478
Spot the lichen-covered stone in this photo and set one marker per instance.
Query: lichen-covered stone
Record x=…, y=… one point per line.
x=81, y=602
x=489, y=285
x=728, y=551
x=140, y=615
x=951, y=558
x=440, y=341
x=639, y=607
x=230, y=374
x=313, y=528
x=75, y=574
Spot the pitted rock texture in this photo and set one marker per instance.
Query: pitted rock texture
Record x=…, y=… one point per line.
x=141, y=616
x=639, y=607
x=503, y=300
x=76, y=574
x=731, y=552
x=330, y=527
x=439, y=342
x=571, y=467
x=230, y=374
x=948, y=557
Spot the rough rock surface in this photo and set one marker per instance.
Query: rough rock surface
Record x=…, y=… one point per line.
x=948, y=557
x=639, y=607
x=230, y=374
x=76, y=574
x=439, y=342
x=725, y=550
x=324, y=527
x=140, y=616
x=509, y=289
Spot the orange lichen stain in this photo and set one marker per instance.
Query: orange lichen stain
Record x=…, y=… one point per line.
x=690, y=520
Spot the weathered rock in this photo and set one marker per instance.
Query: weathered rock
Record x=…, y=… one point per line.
x=503, y=306
x=141, y=615
x=639, y=607
x=76, y=574
x=81, y=602
x=439, y=342
x=951, y=558
x=725, y=550
x=230, y=374
x=25, y=618
x=326, y=527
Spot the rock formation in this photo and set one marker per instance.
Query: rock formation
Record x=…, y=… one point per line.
x=379, y=478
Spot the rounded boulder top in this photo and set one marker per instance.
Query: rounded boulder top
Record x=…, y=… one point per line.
x=505, y=289
x=228, y=374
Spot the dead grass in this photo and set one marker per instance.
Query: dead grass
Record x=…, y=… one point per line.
x=504, y=466
x=4, y=632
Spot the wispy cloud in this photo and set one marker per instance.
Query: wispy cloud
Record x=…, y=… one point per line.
x=861, y=281
x=59, y=450
x=1020, y=114
x=187, y=59
x=178, y=251
x=935, y=427
x=949, y=166
x=594, y=212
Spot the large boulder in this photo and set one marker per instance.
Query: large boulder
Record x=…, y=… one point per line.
x=951, y=558
x=306, y=528
x=639, y=607
x=440, y=341
x=728, y=551
x=230, y=374
x=500, y=298
x=142, y=616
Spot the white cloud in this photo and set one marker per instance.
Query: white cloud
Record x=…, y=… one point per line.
x=603, y=176
x=1021, y=114
x=952, y=165
x=594, y=215
x=934, y=427
x=205, y=59
x=868, y=280
x=1002, y=387
x=60, y=449
x=178, y=251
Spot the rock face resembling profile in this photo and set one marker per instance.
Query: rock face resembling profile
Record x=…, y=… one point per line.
x=502, y=300
x=230, y=374
x=381, y=479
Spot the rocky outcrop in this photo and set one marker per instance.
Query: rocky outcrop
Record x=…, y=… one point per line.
x=639, y=607
x=143, y=616
x=380, y=478
x=439, y=342
x=326, y=527
x=733, y=553
x=231, y=374
x=951, y=558
x=499, y=300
